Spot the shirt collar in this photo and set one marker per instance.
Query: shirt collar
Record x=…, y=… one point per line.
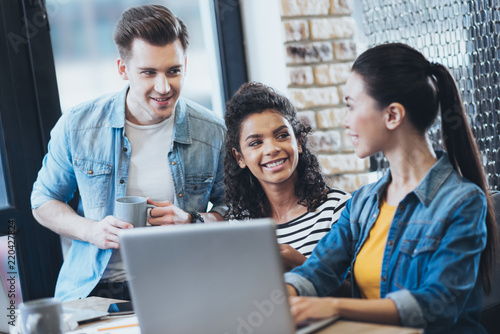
x=181, y=126
x=430, y=184
x=434, y=178
x=117, y=113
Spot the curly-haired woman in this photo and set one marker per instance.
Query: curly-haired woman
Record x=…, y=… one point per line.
x=270, y=172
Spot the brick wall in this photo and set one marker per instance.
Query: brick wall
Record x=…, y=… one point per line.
x=320, y=50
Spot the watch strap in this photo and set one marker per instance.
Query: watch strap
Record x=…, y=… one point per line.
x=196, y=218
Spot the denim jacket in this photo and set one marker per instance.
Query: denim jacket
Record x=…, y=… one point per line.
x=88, y=150
x=431, y=259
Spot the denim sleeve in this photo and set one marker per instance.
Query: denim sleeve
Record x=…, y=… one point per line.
x=450, y=277
x=408, y=307
x=303, y=286
x=325, y=270
x=56, y=179
x=217, y=197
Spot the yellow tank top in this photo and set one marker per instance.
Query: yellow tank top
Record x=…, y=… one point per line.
x=368, y=266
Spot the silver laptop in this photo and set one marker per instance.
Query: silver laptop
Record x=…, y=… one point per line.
x=208, y=278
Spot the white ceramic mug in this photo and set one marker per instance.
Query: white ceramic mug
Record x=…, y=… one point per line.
x=42, y=316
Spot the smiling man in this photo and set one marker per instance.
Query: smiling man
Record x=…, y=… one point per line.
x=146, y=141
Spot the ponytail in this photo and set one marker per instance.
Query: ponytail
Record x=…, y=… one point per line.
x=464, y=155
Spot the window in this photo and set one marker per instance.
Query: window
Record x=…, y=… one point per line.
x=29, y=108
x=85, y=53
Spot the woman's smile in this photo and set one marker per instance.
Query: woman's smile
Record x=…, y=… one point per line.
x=268, y=147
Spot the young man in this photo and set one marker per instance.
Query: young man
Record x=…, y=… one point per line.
x=146, y=141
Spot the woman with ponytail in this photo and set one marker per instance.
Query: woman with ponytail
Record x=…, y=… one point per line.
x=420, y=242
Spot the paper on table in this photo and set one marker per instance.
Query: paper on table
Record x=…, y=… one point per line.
x=118, y=325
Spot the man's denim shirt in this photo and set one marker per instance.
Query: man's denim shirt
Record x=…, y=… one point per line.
x=431, y=260
x=88, y=149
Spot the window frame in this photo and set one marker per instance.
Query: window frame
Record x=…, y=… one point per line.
x=29, y=108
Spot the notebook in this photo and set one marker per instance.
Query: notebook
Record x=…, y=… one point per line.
x=208, y=278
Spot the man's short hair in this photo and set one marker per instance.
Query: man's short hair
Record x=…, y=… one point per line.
x=154, y=24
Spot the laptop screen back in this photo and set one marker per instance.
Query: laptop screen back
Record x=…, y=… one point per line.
x=207, y=278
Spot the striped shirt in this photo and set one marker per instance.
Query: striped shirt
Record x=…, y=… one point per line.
x=304, y=232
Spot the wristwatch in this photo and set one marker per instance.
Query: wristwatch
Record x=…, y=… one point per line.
x=196, y=218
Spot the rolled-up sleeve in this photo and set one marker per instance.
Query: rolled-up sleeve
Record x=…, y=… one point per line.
x=56, y=179
x=303, y=286
x=409, y=310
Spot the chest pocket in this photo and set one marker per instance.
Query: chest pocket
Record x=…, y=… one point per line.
x=94, y=179
x=198, y=188
x=412, y=261
x=414, y=248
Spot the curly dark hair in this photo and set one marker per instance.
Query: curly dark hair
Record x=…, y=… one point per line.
x=244, y=194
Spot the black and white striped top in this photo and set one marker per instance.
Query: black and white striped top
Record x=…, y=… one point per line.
x=304, y=232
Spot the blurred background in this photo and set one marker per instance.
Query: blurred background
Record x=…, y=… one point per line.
x=85, y=54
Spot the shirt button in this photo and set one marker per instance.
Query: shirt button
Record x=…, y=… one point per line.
x=195, y=188
x=173, y=163
x=390, y=242
x=91, y=172
x=125, y=149
x=383, y=278
x=122, y=181
x=180, y=195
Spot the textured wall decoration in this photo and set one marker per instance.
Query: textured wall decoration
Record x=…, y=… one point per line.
x=462, y=35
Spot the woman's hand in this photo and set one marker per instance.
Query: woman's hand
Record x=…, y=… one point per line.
x=291, y=257
x=304, y=308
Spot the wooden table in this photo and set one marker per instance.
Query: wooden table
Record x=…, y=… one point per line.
x=348, y=327
x=340, y=326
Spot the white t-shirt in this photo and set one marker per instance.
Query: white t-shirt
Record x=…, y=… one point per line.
x=148, y=176
x=149, y=171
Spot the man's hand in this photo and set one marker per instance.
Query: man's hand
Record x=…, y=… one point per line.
x=304, y=308
x=63, y=220
x=166, y=213
x=291, y=257
x=104, y=233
